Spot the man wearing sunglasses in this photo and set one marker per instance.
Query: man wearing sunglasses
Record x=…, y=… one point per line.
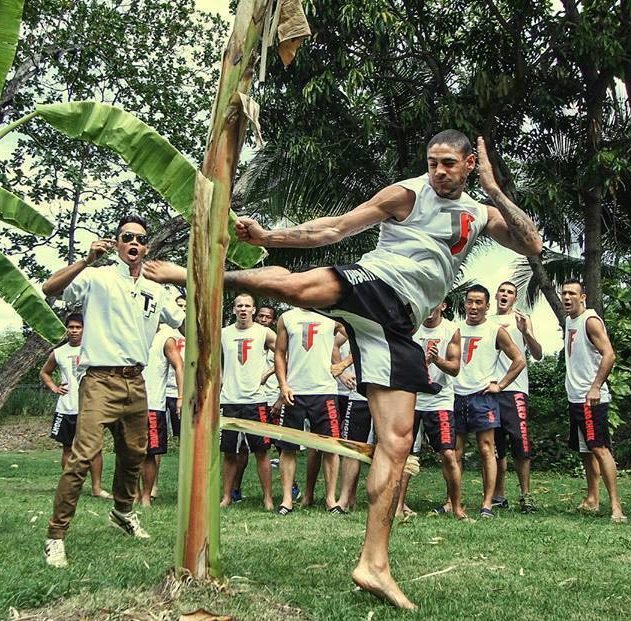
x=122, y=310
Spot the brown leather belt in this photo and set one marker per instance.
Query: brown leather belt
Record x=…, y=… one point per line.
x=133, y=371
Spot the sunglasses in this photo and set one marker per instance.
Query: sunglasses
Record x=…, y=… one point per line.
x=141, y=238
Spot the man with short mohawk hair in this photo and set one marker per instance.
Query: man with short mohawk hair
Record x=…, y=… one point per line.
x=428, y=225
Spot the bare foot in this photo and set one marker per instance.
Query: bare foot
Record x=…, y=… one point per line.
x=382, y=586
x=225, y=502
x=306, y=502
x=269, y=504
x=145, y=501
x=588, y=506
x=460, y=514
x=617, y=517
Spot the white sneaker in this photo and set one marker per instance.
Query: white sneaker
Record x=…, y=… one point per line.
x=128, y=523
x=55, y=553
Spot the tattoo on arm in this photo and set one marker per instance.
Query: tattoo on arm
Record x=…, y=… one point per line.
x=521, y=228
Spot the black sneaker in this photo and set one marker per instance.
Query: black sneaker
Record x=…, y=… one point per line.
x=128, y=523
x=527, y=504
x=499, y=502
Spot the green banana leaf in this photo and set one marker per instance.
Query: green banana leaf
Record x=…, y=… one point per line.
x=14, y=211
x=16, y=290
x=147, y=153
x=10, y=19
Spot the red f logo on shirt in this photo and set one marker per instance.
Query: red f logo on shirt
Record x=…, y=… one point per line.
x=309, y=330
x=571, y=335
x=461, y=228
x=429, y=343
x=470, y=345
x=243, y=347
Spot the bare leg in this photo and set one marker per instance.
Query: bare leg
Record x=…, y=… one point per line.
x=453, y=476
x=314, y=462
x=265, y=477
x=330, y=467
x=401, y=506
x=350, y=474
x=287, y=476
x=229, y=473
x=243, y=457
x=154, y=489
x=461, y=442
x=393, y=415
x=591, y=502
x=608, y=471
x=522, y=465
x=149, y=471
x=486, y=446
x=500, y=483
x=96, y=473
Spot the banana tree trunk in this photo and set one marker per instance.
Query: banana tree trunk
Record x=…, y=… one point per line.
x=197, y=548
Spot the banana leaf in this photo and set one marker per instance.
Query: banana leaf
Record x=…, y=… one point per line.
x=14, y=211
x=10, y=19
x=147, y=153
x=16, y=290
x=345, y=448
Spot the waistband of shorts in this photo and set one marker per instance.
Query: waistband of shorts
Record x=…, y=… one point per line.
x=130, y=371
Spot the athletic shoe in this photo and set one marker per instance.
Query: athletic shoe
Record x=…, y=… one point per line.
x=527, y=504
x=236, y=495
x=486, y=513
x=499, y=502
x=55, y=553
x=128, y=523
x=274, y=462
x=296, y=494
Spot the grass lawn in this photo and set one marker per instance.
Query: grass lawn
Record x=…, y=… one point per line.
x=555, y=564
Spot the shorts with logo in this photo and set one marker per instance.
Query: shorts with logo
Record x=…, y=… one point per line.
x=173, y=416
x=380, y=327
x=476, y=412
x=357, y=424
x=319, y=410
x=231, y=441
x=514, y=418
x=156, y=432
x=592, y=421
x=342, y=407
x=63, y=428
x=440, y=428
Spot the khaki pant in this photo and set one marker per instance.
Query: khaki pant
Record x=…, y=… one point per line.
x=119, y=403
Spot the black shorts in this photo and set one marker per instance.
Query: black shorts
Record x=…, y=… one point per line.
x=417, y=433
x=173, y=417
x=156, y=432
x=380, y=329
x=231, y=440
x=63, y=428
x=342, y=406
x=440, y=428
x=593, y=423
x=476, y=412
x=357, y=422
x=320, y=410
x=514, y=418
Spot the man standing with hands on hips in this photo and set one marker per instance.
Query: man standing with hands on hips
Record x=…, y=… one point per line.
x=121, y=310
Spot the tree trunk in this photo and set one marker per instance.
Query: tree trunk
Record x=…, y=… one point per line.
x=20, y=363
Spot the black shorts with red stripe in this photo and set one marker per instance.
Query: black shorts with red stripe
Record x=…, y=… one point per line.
x=440, y=428
x=320, y=410
x=593, y=423
x=156, y=432
x=514, y=418
x=231, y=440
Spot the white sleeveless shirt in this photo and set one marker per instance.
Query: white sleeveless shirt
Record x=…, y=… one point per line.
x=479, y=357
x=67, y=359
x=582, y=359
x=310, y=340
x=244, y=356
x=156, y=372
x=419, y=257
x=440, y=336
x=509, y=323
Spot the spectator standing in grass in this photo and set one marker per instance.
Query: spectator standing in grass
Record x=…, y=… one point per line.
x=122, y=310
x=66, y=359
x=244, y=346
x=513, y=400
x=477, y=384
x=589, y=358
